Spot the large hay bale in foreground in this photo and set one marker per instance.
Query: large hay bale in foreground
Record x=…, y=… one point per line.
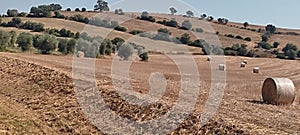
x=256, y=70
x=278, y=91
x=222, y=67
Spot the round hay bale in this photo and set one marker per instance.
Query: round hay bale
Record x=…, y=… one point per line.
x=245, y=61
x=278, y=91
x=80, y=54
x=256, y=70
x=222, y=67
x=243, y=64
x=208, y=58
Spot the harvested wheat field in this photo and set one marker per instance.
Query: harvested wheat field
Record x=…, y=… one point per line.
x=38, y=96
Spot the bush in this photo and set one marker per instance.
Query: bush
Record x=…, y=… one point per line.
x=119, y=12
x=162, y=34
x=62, y=46
x=69, y=9
x=77, y=10
x=265, y=38
x=250, y=53
x=79, y=18
x=144, y=56
x=120, y=28
x=40, y=11
x=136, y=32
x=46, y=43
x=125, y=51
x=238, y=37
x=15, y=22
x=198, y=43
x=25, y=41
x=230, y=36
x=280, y=56
x=4, y=40
x=298, y=53
x=83, y=9
x=276, y=44
x=185, y=38
x=187, y=25
x=200, y=30
x=145, y=16
x=58, y=15
x=12, y=12
x=248, y=39
x=264, y=45
x=71, y=46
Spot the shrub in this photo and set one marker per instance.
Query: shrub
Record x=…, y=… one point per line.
x=230, y=36
x=69, y=9
x=83, y=9
x=187, y=25
x=46, y=43
x=264, y=45
x=125, y=51
x=79, y=18
x=185, y=38
x=145, y=16
x=144, y=56
x=198, y=43
x=58, y=15
x=12, y=12
x=71, y=46
x=200, y=30
x=25, y=41
x=120, y=28
x=4, y=40
x=162, y=34
x=250, y=53
x=15, y=22
x=298, y=53
x=276, y=44
x=265, y=38
x=63, y=45
x=136, y=32
x=238, y=37
x=77, y=10
x=280, y=56
x=248, y=39
x=41, y=11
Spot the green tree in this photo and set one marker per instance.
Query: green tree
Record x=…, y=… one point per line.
x=186, y=24
x=264, y=45
x=265, y=38
x=63, y=46
x=276, y=44
x=71, y=46
x=291, y=54
x=55, y=7
x=101, y=5
x=12, y=12
x=4, y=39
x=173, y=10
x=125, y=51
x=298, y=53
x=189, y=13
x=185, y=38
x=15, y=22
x=46, y=43
x=289, y=47
x=25, y=41
x=246, y=24
x=270, y=28
x=13, y=38
x=144, y=56
x=41, y=11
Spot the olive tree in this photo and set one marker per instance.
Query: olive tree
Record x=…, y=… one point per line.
x=125, y=51
x=25, y=41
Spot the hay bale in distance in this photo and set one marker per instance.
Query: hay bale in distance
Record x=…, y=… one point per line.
x=256, y=70
x=80, y=54
x=245, y=61
x=222, y=67
x=243, y=65
x=208, y=58
x=278, y=91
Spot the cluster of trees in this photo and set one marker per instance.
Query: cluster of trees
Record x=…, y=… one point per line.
x=171, y=23
x=62, y=33
x=17, y=22
x=15, y=13
x=145, y=16
x=101, y=6
x=238, y=50
x=223, y=21
x=290, y=51
x=44, y=10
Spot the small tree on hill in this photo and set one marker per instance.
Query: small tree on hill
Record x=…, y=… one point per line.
x=55, y=7
x=83, y=9
x=185, y=38
x=189, y=13
x=144, y=56
x=173, y=10
x=46, y=43
x=276, y=44
x=270, y=28
x=101, y=5
x=246, y=24
x=202, y=16
x=12, y=12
